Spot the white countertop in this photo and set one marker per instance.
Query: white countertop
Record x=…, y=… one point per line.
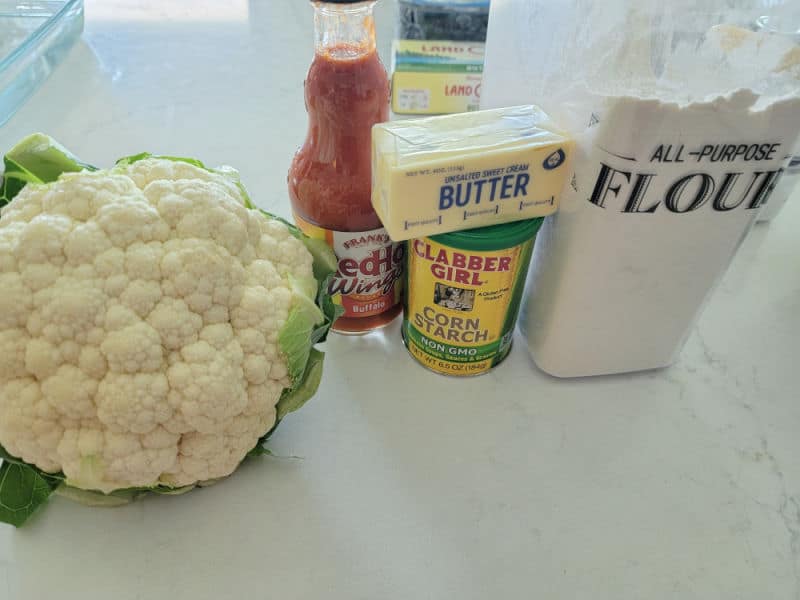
x=682, y=483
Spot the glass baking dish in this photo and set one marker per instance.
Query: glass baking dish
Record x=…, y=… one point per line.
x=34, y=37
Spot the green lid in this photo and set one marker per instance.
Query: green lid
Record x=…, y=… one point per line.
x=494, y=237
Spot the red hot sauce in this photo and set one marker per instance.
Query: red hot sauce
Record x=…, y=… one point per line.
x=330, y=180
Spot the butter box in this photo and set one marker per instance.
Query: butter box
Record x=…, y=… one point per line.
x=439, y=174
x=436, y=77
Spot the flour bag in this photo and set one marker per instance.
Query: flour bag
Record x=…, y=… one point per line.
x=782, y=19
x=685, y=120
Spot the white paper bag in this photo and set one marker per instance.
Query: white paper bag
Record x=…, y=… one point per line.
x=684, y=124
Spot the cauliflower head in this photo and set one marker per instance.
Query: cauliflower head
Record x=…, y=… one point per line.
x=151, y=321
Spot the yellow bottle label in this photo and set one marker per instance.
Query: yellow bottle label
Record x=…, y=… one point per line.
x=461, y=305
x=368, y=280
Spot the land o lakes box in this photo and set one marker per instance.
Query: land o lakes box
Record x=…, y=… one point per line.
x=436, y=77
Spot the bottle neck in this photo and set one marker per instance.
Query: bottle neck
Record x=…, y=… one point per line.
x=344, y=31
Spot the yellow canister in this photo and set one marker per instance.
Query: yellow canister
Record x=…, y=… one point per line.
x=463, y=295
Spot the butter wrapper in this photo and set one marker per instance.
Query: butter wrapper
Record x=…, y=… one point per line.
x=436, y=77
x=468, y=170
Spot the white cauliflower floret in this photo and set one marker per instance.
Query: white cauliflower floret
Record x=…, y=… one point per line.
x=143, y=261
x=16, y=300
x=136, y=403
x=175, y=323
x=69, y=310
x=71, y=392
x=139, y=324
x=42, y=358
x=13, y=345
x=133, y=349
x=32, y=428
x=9, y=238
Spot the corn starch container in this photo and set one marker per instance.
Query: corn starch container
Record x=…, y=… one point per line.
x=463, y=295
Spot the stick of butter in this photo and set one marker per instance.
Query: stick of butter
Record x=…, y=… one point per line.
x=467, y=170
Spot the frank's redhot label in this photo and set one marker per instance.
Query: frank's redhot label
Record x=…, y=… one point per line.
x=369, y=277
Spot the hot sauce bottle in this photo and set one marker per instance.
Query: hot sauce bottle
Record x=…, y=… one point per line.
x=346, y=93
